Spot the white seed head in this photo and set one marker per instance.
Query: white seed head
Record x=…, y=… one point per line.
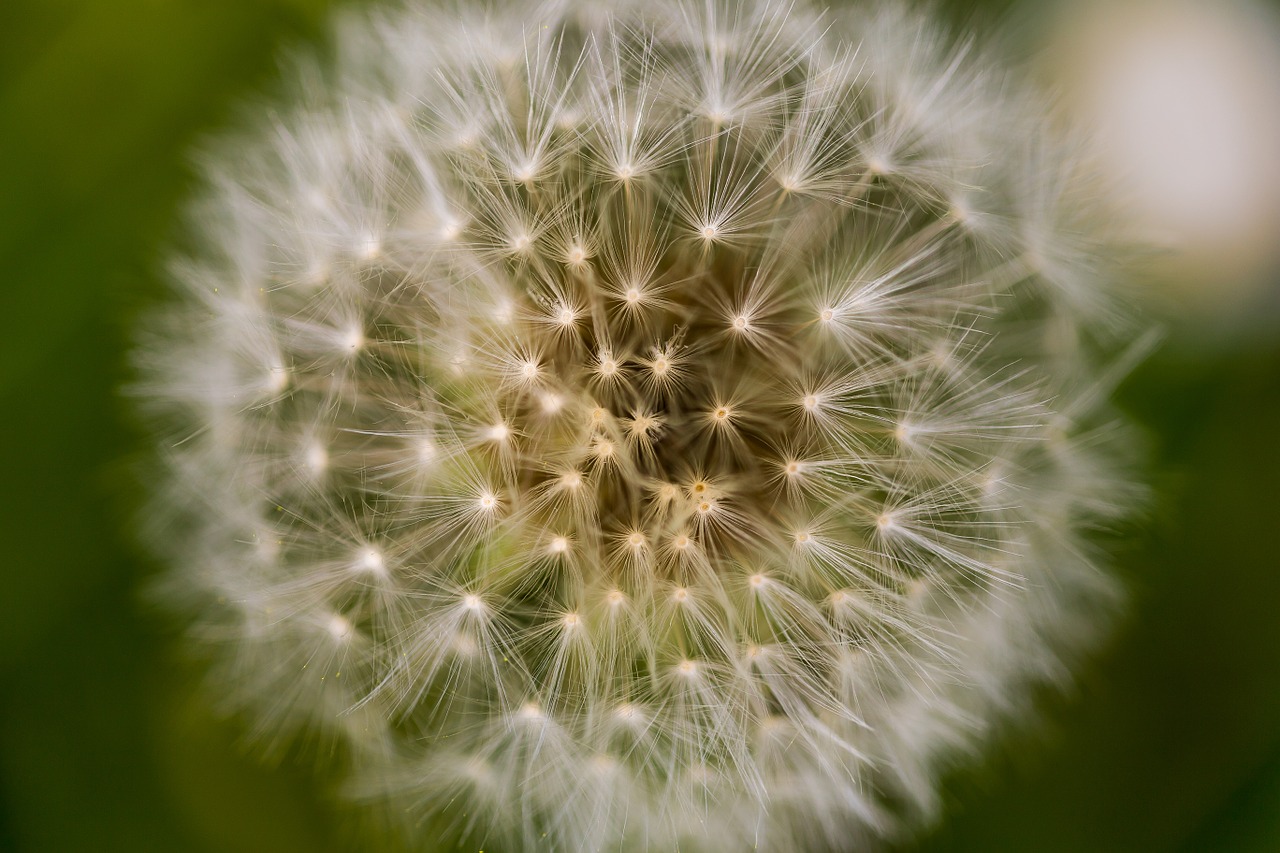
x=371, y=560
x=426, y=451
x=551, y=402
x=680, y=420
x=277, y=379
x=352, y=340
x=566, y=316
x=339, y=627
x=317, y=457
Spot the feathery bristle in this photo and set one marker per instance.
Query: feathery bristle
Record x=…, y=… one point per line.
x=641, y=426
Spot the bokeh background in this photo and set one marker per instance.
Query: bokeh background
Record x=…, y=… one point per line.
x=1170, y=741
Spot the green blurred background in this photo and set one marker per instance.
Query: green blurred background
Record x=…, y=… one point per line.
x=1170, y=742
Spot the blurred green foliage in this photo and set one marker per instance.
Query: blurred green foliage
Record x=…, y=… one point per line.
x=1171, y=742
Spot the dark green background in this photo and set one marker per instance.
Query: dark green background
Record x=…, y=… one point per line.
x=1171, y=741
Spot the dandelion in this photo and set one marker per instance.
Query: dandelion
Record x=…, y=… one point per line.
x=662, y=415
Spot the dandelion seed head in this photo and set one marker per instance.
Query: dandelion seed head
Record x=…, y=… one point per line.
x=371, y=560
x=648, y=406
x=317, y=458
x=277, y=379
x=551, y=402
x=339, y=627
x=450, y=230
x=370, y=246
x=353, y=340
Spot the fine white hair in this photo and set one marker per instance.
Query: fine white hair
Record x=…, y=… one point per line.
x=641, y=425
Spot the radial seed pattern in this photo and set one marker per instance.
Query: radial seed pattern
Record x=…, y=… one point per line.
x=624, y=429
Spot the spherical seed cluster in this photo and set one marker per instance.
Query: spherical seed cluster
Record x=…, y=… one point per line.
x=637, y=426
